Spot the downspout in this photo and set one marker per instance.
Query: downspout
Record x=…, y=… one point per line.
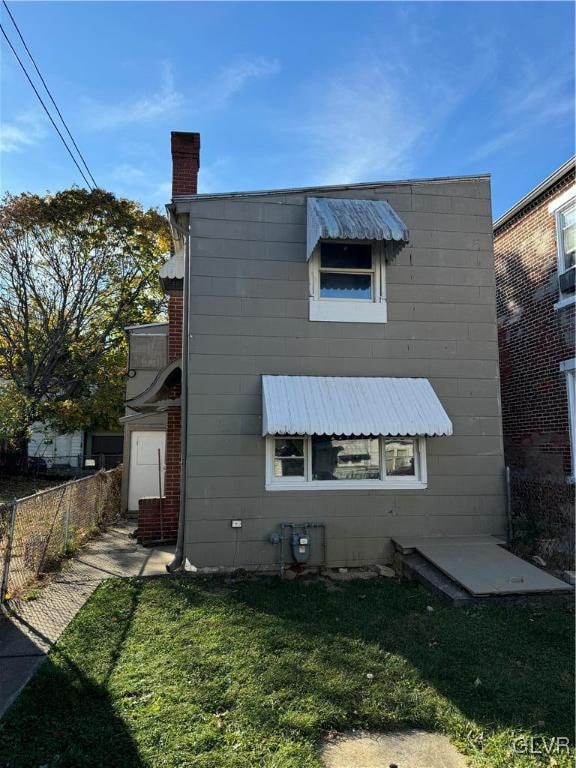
x=178, y=563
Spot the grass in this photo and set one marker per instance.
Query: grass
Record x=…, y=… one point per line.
x=252, y=674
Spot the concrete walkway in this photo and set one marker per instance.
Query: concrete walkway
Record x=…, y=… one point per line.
x=27, y=636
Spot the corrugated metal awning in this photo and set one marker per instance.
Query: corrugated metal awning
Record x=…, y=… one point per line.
x=318, y=405
x=343, y=219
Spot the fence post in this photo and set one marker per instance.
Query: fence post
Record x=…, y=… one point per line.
x=67, y=518
x=8, y=554
x=510, y=526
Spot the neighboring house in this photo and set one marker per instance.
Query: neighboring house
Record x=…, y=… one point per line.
x=74, y=450
x=144, y=433
x=341, y=370
x=535, y=250
x=69, y=453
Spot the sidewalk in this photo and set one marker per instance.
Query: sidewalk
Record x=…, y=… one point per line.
x=35, y=626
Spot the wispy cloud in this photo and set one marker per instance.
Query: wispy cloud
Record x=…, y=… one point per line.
x=125, y=173
x=167, y=100
x=213, y=177
x=232, y=79
x=368, y=122
x=216, y=93
x=23, y=132
x=532, y=103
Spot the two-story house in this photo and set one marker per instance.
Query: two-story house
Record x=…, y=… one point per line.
x=535, y=251
x=339, y=369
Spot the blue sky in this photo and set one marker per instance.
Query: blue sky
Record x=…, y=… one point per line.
x=292, y=94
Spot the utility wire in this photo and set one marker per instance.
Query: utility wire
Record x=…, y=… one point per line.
x=45, y=107
x=48, y=92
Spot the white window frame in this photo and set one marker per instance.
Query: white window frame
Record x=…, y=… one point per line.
x=372, y=310
x=418, y=481
x=558, y=207
x=568, y=367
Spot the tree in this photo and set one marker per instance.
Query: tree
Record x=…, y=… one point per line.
x=75, y=268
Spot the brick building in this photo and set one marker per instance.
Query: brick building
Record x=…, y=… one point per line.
x=534, y=246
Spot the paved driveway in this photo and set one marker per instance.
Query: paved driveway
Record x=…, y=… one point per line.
x=27, y=636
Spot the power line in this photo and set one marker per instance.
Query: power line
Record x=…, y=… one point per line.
x=49, y=93
x=45, y=107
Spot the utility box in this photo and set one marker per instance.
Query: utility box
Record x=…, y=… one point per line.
x=300, y=544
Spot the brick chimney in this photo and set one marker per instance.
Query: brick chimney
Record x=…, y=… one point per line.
x=185, y=163
x=159, y=520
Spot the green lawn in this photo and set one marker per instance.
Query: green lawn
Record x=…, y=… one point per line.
x=252, y=674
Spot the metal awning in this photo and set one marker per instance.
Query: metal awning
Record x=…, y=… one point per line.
x=318, y=405
x=344, y=219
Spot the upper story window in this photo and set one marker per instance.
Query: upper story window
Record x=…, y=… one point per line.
x=564, y=210
x=346, y=271
x=566, y=232
x=347, y=282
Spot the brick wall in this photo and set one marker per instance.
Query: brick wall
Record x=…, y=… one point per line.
x=534, y=339
x=185, y=162
x=185, y=165
x=156, y=521
x=174, y=327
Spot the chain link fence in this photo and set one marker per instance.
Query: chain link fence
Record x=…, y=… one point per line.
x=542, y=518
x=38, y=531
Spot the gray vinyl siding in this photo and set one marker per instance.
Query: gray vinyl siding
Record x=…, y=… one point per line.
x=249, y=306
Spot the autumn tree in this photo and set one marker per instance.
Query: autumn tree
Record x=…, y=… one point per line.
x=75, y=268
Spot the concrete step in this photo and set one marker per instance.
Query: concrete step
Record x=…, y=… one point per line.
x=416, y=567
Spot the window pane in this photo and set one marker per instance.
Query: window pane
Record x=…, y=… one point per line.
x=346, y=255
x=569, y=247
x=339, y=285
x=569, y=217
x=400, y=456
x=289, y=447
x=289, y=467
x=568, y=235
x=344, y=458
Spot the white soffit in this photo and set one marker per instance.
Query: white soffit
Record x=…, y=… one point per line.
x=318, y=405
x=337, y=218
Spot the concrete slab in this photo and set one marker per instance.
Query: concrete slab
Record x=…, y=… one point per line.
x=405, y=543
x=488, y=569
x=405, y=749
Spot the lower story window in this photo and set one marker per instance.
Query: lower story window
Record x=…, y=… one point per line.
x=343, y=462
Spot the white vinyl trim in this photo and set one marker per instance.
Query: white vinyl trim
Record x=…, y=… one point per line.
x=419, y=481
x=567, y=301
x=558, y=212
x=568, y=367
x=348, y=311
x=566, y=197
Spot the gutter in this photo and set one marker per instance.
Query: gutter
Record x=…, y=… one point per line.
x=538, y=190
x=178, y=563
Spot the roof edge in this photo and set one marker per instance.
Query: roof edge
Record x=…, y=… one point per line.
x=534, y=193
x=328, y=188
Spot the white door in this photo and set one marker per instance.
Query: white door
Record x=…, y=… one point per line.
x=144, y=477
